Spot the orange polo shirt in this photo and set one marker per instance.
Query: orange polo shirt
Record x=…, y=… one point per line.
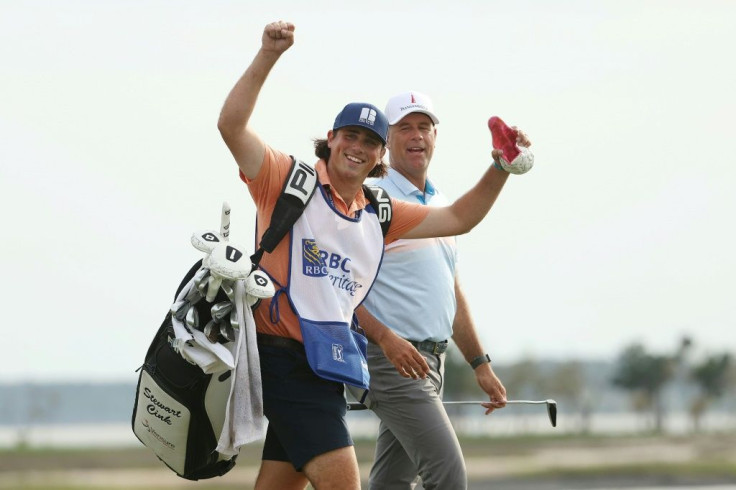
x=265, y=190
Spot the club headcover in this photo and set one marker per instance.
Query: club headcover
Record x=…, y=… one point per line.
x=228, y=261
x=515, y=159
x=257, y=286
x=206, y=240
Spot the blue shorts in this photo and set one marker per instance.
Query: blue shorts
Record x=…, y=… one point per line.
x=306, y=414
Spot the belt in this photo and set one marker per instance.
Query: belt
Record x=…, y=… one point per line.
x=430, y=346
x=276, y=341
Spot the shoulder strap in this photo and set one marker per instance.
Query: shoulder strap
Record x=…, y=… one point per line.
x=381, y=202
x=298, y=190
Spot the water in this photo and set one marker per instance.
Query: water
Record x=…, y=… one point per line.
x=365, y=425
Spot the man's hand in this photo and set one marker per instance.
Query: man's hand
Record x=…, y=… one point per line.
x=408, y=361
x=278, y=37
x=489, y=382
x=521, y=140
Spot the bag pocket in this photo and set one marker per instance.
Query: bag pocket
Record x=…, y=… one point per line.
x=336, y=352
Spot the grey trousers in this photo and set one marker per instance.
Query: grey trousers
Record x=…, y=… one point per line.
x=415, y=436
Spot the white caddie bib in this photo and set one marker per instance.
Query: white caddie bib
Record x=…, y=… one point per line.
x=334, y=260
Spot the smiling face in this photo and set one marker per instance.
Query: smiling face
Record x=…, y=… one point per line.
x=411, y=145
x=354, y=151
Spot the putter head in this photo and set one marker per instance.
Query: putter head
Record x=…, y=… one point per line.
x=552, y=412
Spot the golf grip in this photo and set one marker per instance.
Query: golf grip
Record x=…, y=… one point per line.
x=225, y=221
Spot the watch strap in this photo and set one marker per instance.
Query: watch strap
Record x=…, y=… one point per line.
x=477, y=361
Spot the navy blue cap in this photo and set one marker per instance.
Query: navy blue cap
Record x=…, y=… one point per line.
x=365, y=115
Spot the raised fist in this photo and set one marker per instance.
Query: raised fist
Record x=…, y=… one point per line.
x=278, y=36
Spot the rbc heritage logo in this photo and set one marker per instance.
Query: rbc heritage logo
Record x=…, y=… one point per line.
x=313, y=264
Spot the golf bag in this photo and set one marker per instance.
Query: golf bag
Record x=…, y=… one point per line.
x=179, y=410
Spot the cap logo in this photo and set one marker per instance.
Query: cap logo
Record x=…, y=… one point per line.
x=412, y=106
x=413, y=100
x=368, y=116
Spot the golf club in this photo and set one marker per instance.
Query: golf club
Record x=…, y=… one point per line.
x=551, y=406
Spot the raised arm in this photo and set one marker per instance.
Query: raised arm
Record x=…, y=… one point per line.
x=245, y=145
x=468, y=210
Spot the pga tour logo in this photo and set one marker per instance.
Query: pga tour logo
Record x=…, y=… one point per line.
x=337, y=353
x=368, y=116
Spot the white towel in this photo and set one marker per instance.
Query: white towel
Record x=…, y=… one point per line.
x=244, y=420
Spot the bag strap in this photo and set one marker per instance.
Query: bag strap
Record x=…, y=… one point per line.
x=381, y=202
x=298, y=190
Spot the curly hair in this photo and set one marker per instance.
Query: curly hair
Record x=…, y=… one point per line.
x=323, y=151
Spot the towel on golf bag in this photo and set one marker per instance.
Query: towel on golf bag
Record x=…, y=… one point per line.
x=184, y=414
x=244, y=420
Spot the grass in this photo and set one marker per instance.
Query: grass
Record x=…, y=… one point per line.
x=711, y=459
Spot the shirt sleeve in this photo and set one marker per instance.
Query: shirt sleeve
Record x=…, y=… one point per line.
x=265, y=188
x=405, y=216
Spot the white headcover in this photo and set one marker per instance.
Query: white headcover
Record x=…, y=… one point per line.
x=206, y=240
x=523, y=162
x=228, y=261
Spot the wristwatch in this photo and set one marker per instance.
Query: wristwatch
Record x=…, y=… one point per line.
x=477, y=361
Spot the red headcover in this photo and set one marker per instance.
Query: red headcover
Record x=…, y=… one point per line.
x=504, y=138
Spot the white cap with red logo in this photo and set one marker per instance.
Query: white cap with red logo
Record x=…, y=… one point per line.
x=400, y=105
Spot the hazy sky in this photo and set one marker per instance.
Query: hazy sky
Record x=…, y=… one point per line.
x=623, y=232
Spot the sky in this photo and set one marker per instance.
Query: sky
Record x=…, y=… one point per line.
x=622, y=233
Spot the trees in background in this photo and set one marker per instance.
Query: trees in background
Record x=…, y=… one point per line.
x=645, y=376
x=686, y=379
x=567, y=381
x=713, y=376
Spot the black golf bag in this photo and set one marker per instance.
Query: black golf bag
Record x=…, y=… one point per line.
x=179, y=410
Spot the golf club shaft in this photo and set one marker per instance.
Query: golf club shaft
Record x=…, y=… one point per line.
x=508, y=402
x=361, y=406
x=551, y=406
